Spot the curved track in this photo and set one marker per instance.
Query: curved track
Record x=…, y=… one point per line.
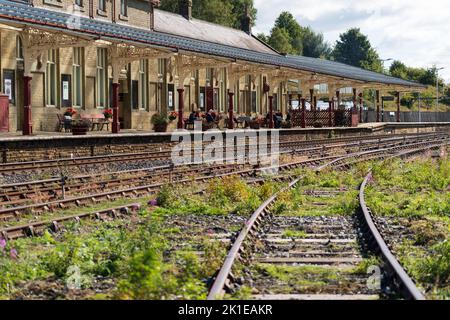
x=244, y=245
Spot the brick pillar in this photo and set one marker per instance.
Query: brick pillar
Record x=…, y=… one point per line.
x=27, y=120
x=398, y=106
x=378, y=104
x=180, y=108
x=361, y=109
x=355, y=108
x=271, y=124
x=115, y=107
x=303, y=101
x=230, y=110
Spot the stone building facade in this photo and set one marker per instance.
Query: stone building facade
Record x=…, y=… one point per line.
x=81, y=77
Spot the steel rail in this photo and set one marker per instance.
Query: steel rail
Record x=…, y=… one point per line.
x=165, y=154
x=147, y=189
x=25, y=191
x=167, y=167
x=16, y=211
x=406, y=285
x=218, y=288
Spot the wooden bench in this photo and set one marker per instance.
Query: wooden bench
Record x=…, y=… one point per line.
x=97, y=120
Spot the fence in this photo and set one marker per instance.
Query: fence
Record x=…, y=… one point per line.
x=322, y=118
x=371, y=116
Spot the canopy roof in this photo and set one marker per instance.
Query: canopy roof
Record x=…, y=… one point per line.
x=176, y=39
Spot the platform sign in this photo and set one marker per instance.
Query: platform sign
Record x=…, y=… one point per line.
x=66, y=90
x=388, y=98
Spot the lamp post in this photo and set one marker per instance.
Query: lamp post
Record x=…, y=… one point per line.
x=437, y=91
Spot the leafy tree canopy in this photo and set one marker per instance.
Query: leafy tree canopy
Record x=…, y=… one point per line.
x=279, y=39
x=302, y=40
x=354, y=48
x=424, y=76
x=225, y=12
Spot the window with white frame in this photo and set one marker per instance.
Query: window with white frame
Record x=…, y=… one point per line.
x=102, y=76
x=79, y=3
x=124, y=8
x=78, y=75
x=51, y=90
x=143, y=84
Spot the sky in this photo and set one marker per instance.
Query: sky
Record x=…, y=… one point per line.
x=414, y=32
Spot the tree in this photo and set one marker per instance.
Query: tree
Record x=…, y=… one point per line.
x=302, y=40
x=287, y=22
x=263, y=37
x=399, y=70
x=354, y=49
x=279, y=39
x=225, y=12
x=314, y=45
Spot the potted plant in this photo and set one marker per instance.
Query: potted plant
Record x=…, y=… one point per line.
x=108, y=113
x=80, y=127
x=160, y=122
x=70, y=112
x=256, y=123
x=173, y=116
x=317, y=124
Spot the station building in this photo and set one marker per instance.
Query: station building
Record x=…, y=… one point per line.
x=129, y=56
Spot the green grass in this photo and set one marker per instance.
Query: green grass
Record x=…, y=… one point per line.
x=419, y=191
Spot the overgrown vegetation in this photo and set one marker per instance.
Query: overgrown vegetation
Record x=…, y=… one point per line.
x=418, y=193
x=135, y=256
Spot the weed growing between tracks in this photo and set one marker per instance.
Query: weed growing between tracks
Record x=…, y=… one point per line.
x=166, y=252
x=320, y=207
x=412, y=202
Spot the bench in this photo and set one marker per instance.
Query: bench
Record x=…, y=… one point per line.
x=97, y=120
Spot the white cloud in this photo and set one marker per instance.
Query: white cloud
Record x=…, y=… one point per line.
x=415, y=32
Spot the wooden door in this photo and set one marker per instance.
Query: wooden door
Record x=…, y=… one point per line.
x=4, y=113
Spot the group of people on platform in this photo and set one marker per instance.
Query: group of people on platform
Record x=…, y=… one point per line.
x=215, y=119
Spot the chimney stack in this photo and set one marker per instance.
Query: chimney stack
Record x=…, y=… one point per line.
x=153, y=4
x=246, y=21
x=186, y=8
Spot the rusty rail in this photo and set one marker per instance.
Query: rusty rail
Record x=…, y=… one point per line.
x=218, y=288
x=405, y=283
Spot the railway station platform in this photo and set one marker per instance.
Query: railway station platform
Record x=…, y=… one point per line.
x=9, y=141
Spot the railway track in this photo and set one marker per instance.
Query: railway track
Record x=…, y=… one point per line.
x=310, y=146
x=67, y=153
x=148, y=190
x=51, y=189
x=322, y=259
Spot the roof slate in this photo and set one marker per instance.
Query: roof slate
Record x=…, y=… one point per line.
x=176, y=24
x=27, y=15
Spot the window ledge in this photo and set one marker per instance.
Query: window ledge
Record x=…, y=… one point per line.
x=102, y=13
x=53, y=3
x=123, y=18
x=79, y=8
